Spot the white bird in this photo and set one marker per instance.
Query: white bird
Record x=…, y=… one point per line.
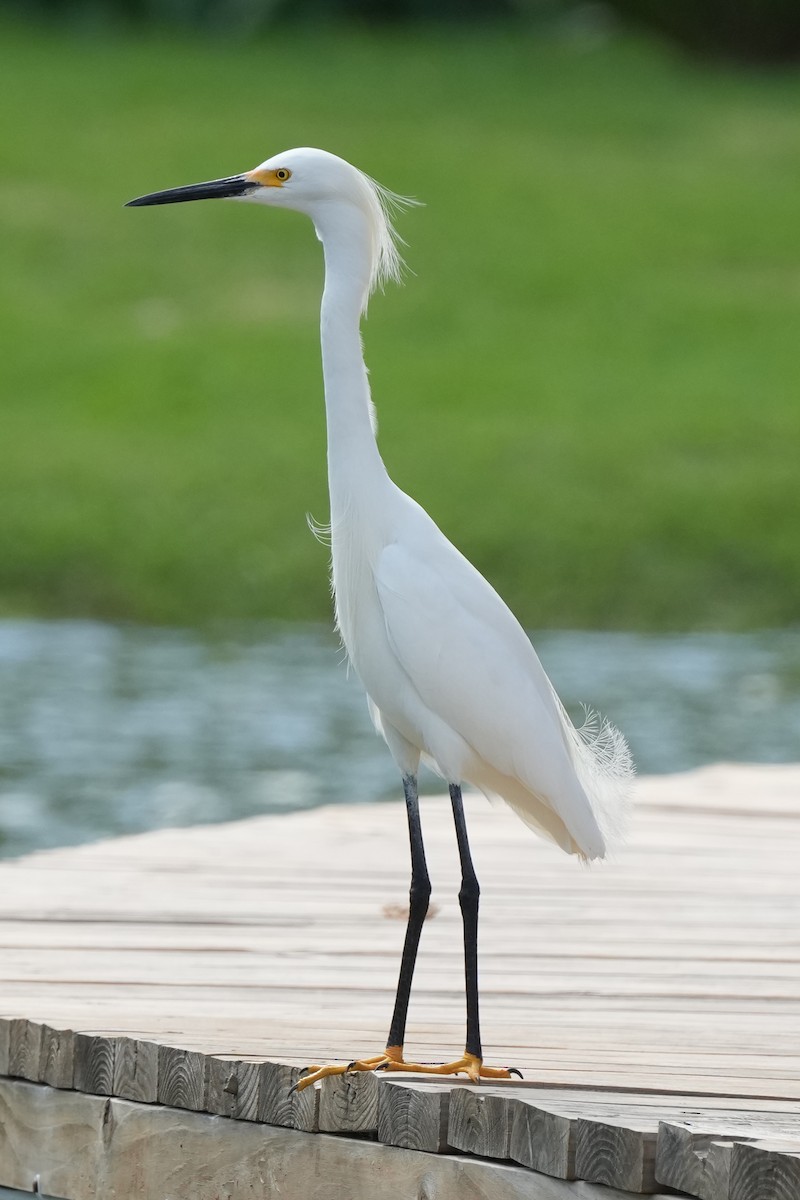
x=451, y=677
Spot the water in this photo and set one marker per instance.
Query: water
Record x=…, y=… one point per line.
x=107, y=730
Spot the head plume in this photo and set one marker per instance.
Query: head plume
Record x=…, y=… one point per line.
x=327, y=187
x=381, y=206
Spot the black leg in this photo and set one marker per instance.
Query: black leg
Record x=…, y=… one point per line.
x=418, y=896
x=468, y=898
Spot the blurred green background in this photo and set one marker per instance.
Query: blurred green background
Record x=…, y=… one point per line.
x=590, y=379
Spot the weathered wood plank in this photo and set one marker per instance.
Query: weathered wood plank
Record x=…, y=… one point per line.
x=717, y=1174
x=615, y=1153
x=542, y=1139
x=181, y=1078
x=232, y=1087
x=479, y=1122
x=24, y=1049
x=136, y=1070
x=222, y=1085
x=349, y=1103
x=413, y=1116
x=94, y=1064
x=682, y=1161
x=764, y=1171
x=693, y=1161
x=695, y=1155
x=5, y=1034
x=56, y=1062
x=90, y=1148
x=278, y=1104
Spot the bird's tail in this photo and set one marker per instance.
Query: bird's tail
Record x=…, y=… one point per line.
x=604, y=767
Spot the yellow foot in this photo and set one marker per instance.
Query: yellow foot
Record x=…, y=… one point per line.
x=392, y=1054
x=469, y=1065
x=392, y=1060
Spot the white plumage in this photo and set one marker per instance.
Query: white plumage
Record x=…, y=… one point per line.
x=450, y=676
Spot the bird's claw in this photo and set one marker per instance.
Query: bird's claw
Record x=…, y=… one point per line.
x=469, y=1065
x=312, y=1075
x=304, y=1071
x=392, y=1060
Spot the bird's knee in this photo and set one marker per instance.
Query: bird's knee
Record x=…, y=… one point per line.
x=419, y=896
x=470, y=892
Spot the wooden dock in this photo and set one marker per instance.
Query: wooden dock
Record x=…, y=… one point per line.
x=159, y=994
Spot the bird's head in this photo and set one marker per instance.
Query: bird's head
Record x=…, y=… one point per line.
x=334, y=194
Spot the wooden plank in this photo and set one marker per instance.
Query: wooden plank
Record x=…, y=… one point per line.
x=478, y=1122
x=662, y=974
x=90, y=1148
x=542, y=1139
x=413, y=1116
x=56, y=1063
x=589, y=1135
x=278, y=1104
x=764, y=1171
x=695, y=1156
x=248, y=1083
x=693, y=1161
x=181, y=1078
x=716, y=1184
x=231, y=1087
x=678, y=945
x=222, y=1082
x=349, y=1103
x=616, y=1134
x=5, y=1034
x=24, y=1049
x=620, y=1153
x=135, y=1070
x=94, y=1064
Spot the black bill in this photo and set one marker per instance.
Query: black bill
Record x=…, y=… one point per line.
x=217, y=189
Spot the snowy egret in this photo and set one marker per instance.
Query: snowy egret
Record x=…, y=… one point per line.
x=451, y=678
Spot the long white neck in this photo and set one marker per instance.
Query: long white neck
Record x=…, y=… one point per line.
x=355, y=468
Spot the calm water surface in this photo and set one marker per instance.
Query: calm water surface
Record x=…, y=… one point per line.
x=107, y=730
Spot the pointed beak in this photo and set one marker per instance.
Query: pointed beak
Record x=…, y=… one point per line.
x=217, y=189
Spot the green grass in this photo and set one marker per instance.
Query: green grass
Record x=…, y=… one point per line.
x=591, y=381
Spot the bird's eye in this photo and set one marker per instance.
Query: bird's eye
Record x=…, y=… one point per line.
x=282, y=173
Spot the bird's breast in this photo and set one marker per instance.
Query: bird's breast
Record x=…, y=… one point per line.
x=362, y=626
x=359, y=617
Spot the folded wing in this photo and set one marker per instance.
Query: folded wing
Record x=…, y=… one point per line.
x=472, y=665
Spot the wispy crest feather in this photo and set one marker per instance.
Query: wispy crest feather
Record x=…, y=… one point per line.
x=382, y=205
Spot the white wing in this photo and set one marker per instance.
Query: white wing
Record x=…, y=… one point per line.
x=472, y=665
